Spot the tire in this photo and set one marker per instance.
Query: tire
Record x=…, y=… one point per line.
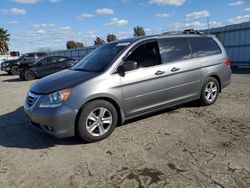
x=22, y=75
x=14, y=70
x=97, y=121
x=29, y=75
x=210, y=92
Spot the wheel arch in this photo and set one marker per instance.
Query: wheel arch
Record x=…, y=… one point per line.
x=13, y=65
x=120, y=113
x=31, y=70
x=217, y=78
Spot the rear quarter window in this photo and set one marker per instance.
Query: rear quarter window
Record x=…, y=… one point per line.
x=204, y=46
x=174, y=49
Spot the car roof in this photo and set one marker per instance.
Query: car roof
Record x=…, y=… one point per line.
x=36, y=53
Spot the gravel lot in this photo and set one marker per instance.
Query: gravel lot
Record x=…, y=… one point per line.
x=186, y=146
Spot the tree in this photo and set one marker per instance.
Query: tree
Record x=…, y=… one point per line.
x=139, y=31
x=111, y=37
x=73, y=44
x=99, y=41
x=4, y=39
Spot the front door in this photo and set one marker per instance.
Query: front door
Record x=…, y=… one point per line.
x=143, y=87
x=45, y=67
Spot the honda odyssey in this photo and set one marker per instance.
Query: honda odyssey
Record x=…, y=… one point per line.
x=126, y=79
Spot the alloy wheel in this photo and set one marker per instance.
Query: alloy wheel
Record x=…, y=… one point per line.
x=211, y=91
x=99, y=121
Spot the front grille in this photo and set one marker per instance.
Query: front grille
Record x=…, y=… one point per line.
x=31, y=100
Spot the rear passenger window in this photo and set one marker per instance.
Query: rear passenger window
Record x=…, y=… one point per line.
x=204, y=46
x=174, y=49
x=53, y=60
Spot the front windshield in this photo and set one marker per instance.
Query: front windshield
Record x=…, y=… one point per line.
x=99, y=59
x=40, y=60
x=22, y=57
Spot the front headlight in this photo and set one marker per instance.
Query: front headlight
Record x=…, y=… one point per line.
x=5, y=64
x=55, y=99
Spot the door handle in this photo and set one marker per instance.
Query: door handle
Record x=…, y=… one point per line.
x=159, y=72
x=174, y=69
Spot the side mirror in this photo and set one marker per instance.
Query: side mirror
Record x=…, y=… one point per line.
x=127, y=66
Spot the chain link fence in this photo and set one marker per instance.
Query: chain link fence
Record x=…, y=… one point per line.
x=76, y=54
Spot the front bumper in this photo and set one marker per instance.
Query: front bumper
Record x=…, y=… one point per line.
x=58, y=122
x=6, y=69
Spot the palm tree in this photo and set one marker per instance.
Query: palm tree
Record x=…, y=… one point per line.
x=4, y=39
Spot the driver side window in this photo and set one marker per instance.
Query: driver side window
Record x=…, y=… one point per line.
x=146, y=55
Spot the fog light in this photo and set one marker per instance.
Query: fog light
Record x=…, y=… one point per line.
x=49, y=128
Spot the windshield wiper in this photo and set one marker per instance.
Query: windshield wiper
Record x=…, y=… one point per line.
x=79, y=69
x=84, y=70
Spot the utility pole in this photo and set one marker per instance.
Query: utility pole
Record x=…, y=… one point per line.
x=208, y=27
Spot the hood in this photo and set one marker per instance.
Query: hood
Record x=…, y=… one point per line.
x=61, y=80
x=25, y=65
x=11, y=61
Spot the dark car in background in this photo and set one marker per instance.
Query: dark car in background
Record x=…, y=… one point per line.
x=5, y=66
x=44, y=67
x=11, y=66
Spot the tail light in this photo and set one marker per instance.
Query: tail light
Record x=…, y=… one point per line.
x=228, y=62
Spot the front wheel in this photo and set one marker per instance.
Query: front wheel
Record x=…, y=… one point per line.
x=14, y=70
x=29, y=75
x=210, y=92
x=97, y=120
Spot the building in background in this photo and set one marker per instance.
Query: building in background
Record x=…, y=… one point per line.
x=236, y=40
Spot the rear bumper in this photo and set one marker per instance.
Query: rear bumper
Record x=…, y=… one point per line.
x=226, y=79
x=225, y=84
x=58, y=122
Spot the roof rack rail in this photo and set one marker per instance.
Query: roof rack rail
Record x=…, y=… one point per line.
x=172, y=33
x=192, y=31
x=187, y=31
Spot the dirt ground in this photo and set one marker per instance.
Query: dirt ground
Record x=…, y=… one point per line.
x=186, y=146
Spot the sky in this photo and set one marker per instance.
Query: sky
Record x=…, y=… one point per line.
x=48, y=24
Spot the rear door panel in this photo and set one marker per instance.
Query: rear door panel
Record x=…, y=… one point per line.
x=183, y=72
x=183, y=84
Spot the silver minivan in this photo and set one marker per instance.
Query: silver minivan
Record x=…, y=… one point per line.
x=126, y=79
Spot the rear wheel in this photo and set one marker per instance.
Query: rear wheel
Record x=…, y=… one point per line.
x=97, y=120
x=14, y=69
x=210, y=92
x=29, y=75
